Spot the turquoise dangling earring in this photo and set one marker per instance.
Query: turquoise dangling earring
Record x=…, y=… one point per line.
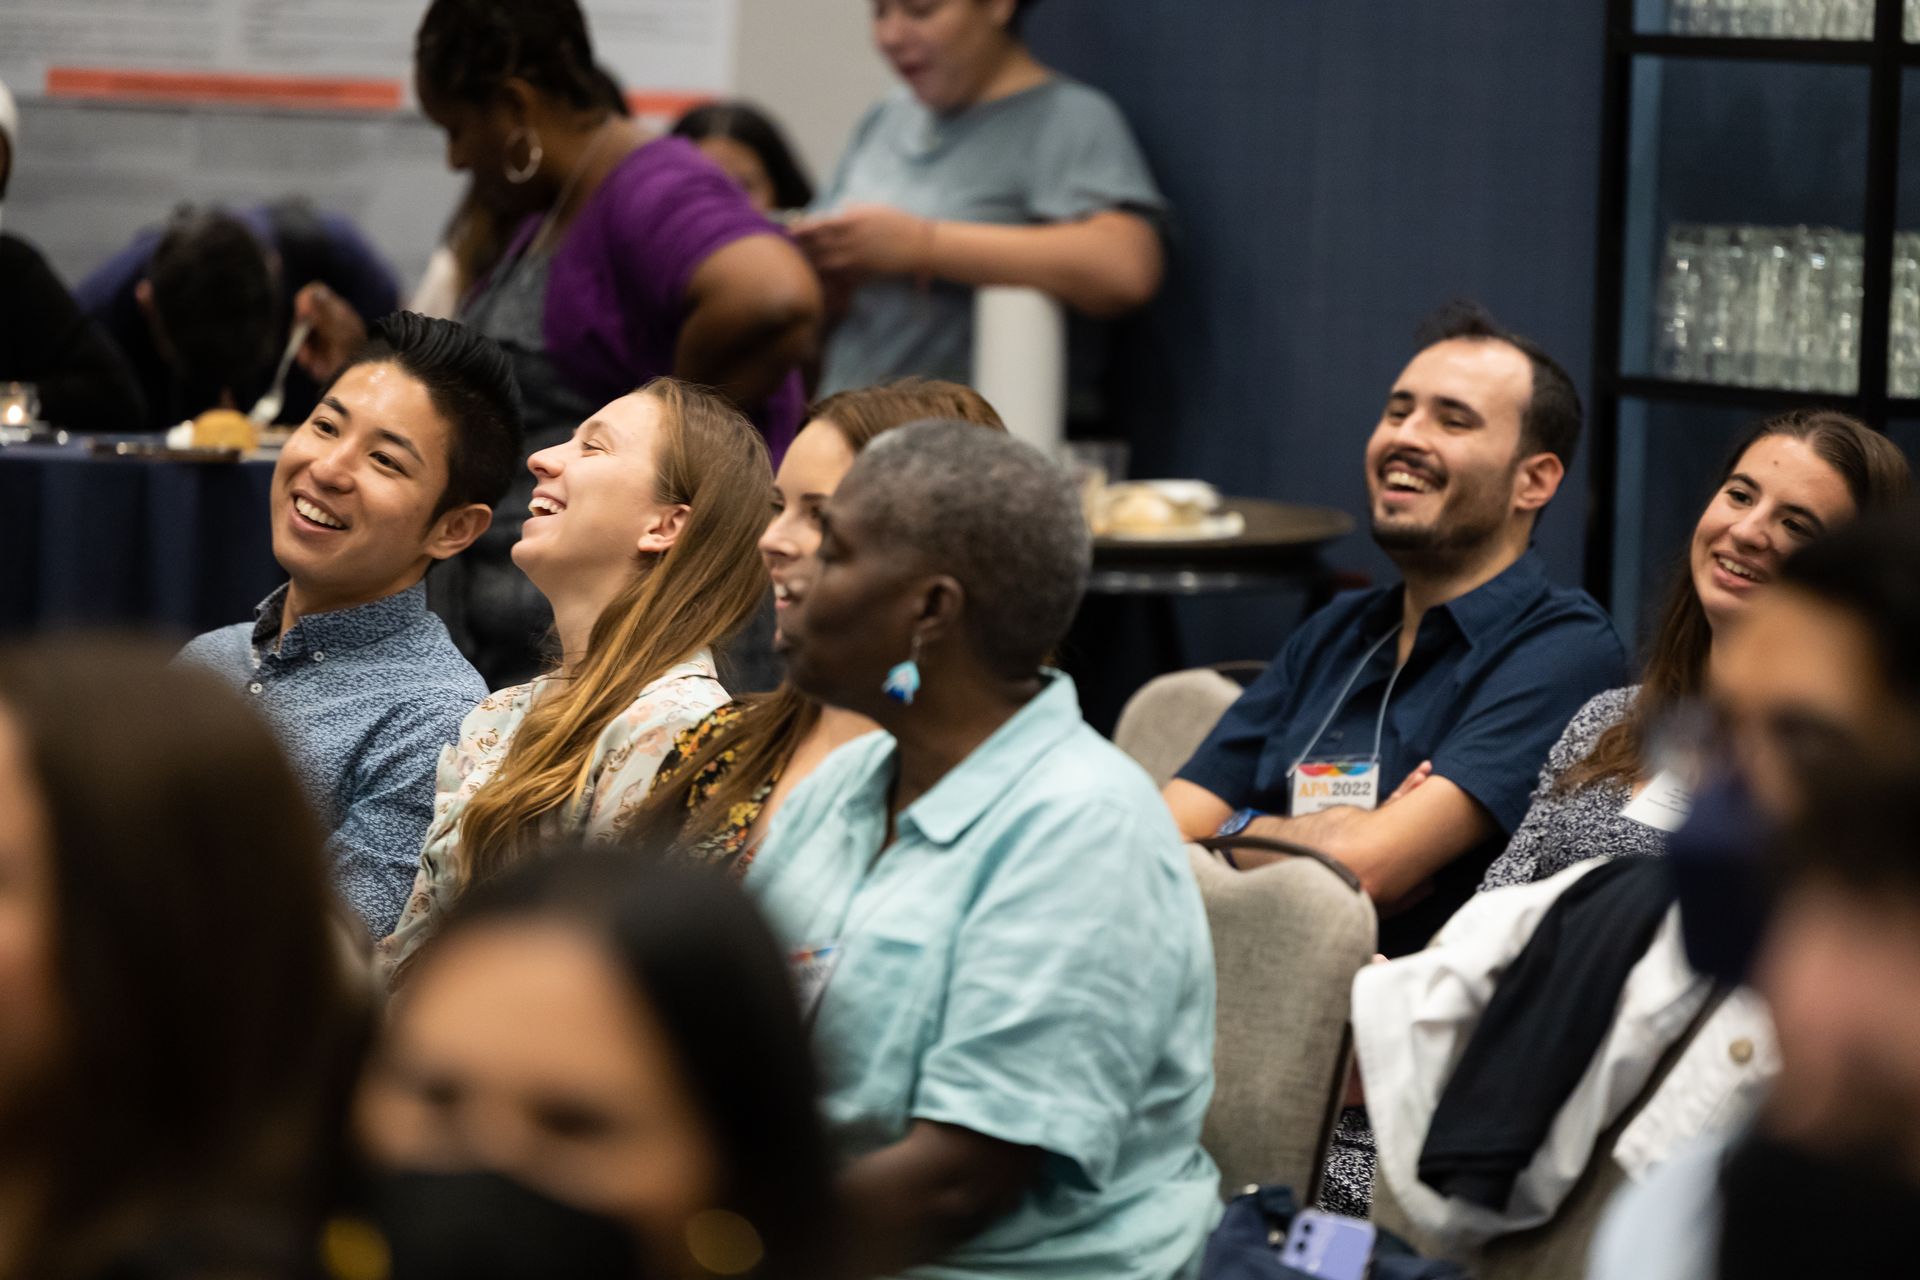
x=903, y=680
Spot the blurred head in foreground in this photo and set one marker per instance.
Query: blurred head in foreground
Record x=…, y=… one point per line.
x=176, y=1023
x=620, y=1041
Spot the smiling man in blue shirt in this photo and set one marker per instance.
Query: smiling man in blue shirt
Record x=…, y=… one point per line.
x=1401, y=729
x=398, y=467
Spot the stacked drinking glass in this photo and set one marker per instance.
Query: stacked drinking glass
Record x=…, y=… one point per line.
x=1780, y=19
x=1762, y=307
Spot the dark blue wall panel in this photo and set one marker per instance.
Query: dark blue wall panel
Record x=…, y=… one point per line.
x=1339, y=168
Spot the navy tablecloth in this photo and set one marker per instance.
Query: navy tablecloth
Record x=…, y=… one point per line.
x=178, y=547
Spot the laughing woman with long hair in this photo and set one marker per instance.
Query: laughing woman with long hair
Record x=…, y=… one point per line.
x=641, y=536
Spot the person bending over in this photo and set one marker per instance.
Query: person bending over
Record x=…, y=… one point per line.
x=1471, y=665
x=203, y=307
x=398, y=468
x=997, y=936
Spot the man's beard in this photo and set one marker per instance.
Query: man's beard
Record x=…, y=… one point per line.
x=1462, y=529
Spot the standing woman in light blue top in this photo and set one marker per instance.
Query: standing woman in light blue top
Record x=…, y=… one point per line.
x=983, y=168
x=998, y=941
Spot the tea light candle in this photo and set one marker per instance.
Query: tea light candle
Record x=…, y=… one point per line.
x=17, y=404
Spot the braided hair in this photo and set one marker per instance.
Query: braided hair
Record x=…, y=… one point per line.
x=467, y=49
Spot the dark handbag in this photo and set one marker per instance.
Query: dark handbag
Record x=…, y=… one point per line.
x=1246, y=1245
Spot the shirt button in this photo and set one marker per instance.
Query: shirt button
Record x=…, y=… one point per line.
x=319, y=655
x=1741, y=1051
x=255, y=687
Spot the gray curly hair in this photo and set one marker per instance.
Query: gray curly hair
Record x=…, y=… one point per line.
x=997, y=515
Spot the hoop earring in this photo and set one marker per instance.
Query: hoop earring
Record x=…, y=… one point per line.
x=518, y=175
x=903, y=679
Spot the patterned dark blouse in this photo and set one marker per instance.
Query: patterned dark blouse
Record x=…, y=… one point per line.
x=726, y=847
x=1562, y=828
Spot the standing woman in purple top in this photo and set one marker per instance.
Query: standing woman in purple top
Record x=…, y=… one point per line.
x=634, y=257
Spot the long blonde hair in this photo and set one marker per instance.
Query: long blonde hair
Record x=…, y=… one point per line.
x=700, y=590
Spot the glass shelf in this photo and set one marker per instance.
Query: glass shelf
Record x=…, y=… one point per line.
x=1835, y=20
x=1745, y=202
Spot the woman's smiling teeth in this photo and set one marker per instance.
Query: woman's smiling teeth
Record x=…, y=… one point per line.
x=544, y=506
x=1738, y=570
x=316, y=515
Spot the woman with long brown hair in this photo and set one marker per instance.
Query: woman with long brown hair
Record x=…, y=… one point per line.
x=726, y=777
x=641, y=536
x=1791, y=479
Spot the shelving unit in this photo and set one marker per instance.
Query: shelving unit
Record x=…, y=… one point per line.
x=1634, y=154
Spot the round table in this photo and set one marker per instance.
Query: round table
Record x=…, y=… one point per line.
x=1135, y=584
x=142, y=543
x=1278, y=547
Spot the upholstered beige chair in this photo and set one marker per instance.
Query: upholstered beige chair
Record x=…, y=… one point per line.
x=1287, y=940
x=1170, y=716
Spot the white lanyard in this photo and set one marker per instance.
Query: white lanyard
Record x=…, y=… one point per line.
x=1379, y=726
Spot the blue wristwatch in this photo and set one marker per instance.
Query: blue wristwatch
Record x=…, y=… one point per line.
x=1237, y=821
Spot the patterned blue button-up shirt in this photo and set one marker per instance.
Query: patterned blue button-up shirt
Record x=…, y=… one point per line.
x=363, y=700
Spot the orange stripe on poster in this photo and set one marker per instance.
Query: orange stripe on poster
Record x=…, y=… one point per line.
x=665, y=106
x=314, y=92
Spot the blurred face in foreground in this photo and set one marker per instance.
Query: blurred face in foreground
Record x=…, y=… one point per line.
x=520, y=1048
x=29, y=994
x=1801, y=681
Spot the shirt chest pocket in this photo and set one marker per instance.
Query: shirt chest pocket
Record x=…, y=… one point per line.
x=877, y=1019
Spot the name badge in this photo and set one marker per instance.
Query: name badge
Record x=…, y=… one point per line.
x=812, y=967
x=1323, y=784
x=1664, y=805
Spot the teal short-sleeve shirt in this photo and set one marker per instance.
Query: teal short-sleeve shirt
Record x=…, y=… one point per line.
x=1029, y=960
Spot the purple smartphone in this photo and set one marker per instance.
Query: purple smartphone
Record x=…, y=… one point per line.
x=1329, y=1246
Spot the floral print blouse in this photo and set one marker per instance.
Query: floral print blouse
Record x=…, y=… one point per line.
x=620, y=773
x=727, y=846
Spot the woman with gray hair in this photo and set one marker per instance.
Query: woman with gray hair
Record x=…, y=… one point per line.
x=1002, y=955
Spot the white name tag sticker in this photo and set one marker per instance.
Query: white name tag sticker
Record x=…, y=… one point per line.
x=1663, y=805
x=1323, y=784
x=812, y=967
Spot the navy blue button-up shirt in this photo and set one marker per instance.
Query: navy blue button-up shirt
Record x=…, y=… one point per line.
x=363, y=700
x=1493, y=679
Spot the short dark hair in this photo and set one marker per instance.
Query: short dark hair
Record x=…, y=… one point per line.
x=996, y=514
x=1551, y=421
x=465, y=50
x=754, y=129
x=470, y=381
x=216, y=298
x=1021, y=11
x=210, y=1030
x=692, y=946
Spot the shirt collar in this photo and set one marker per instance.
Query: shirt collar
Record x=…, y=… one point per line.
x=1491, y=607
x=1010, y=754
x=341, y=629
